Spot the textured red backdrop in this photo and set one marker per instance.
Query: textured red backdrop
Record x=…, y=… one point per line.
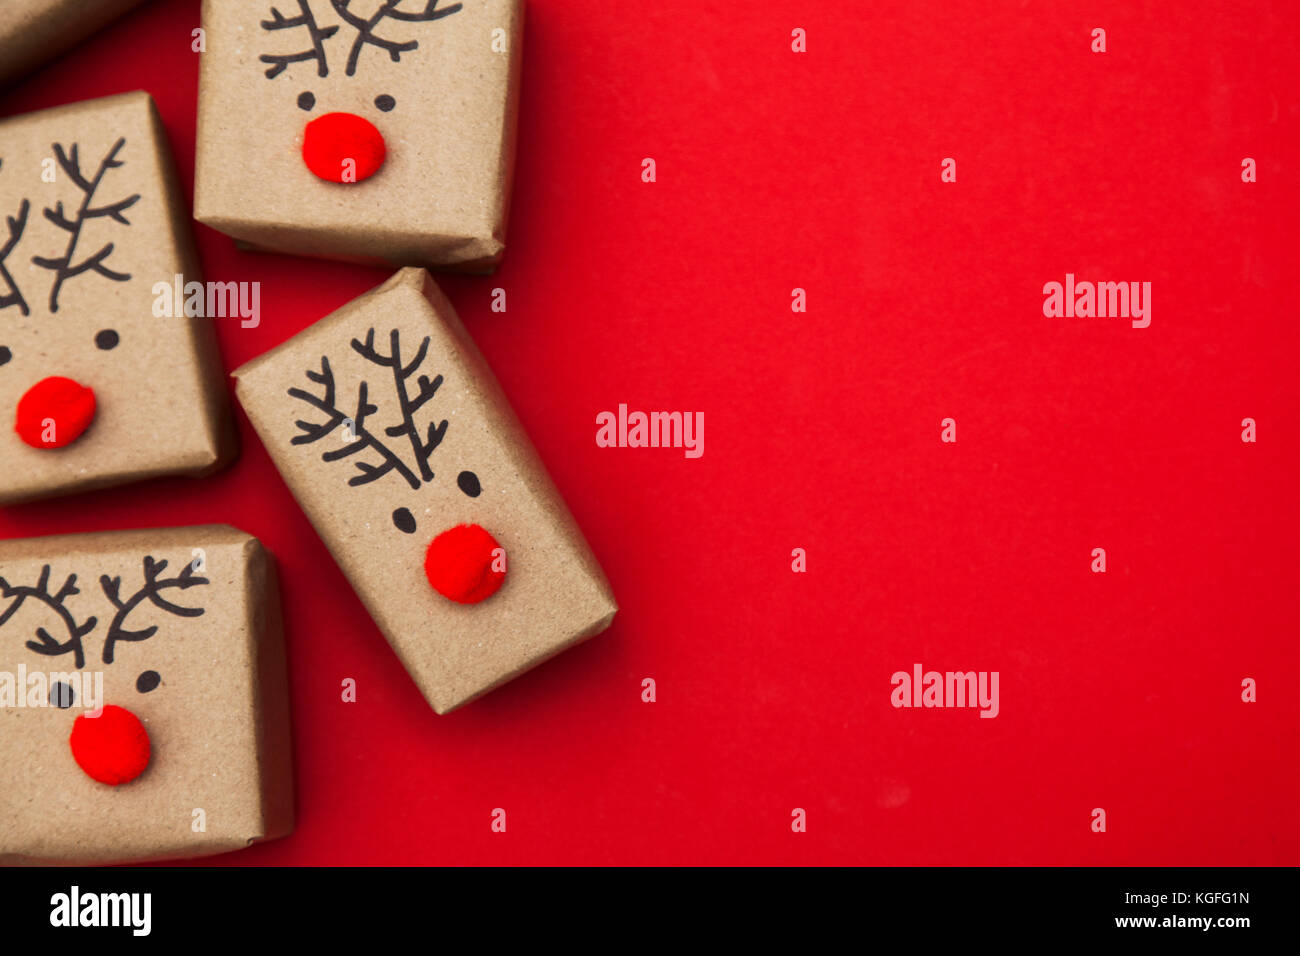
x=822, y=170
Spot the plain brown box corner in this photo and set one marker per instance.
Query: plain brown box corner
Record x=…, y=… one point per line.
x=441, y=199
x=162, y=405
x=218, y=718
x=33, y=31
x=555, y=594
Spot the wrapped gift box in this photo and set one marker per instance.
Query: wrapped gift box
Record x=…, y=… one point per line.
x=175, y=632
x=380, y=132
x=92, y=226
x=396, y=439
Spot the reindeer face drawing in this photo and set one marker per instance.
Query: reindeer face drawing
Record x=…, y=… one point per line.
x=397, y=441
x=343, y=147
x=463, y=563
x=141, y=677
x=382, y=131
x=56, y=411
x=113, y=746
x=91, y=378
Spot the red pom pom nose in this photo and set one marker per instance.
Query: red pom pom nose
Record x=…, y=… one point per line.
x=54, y=412
x=343, y=148
x=465, y=564
x=112, y=748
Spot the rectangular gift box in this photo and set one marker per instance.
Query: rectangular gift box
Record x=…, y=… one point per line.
x=390, y=429
x=428, y=88
x=33, y=31
x=91, y=221
x=179, y=626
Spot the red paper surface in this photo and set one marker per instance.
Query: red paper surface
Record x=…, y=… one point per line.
x=821, y=171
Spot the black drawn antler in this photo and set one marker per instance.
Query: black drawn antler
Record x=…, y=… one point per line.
x=280, y=62
x=361, y=438
x=16, y=227
x=365, y=26
x=150, y=591
x=407, y=405
x=41, y=592
x=63, y=266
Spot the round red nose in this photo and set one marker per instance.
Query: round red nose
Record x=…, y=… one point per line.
x=112, y=748
x=465, y=564
x=343, y=148
x=54, y=412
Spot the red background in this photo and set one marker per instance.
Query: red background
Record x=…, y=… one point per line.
x=821, y=171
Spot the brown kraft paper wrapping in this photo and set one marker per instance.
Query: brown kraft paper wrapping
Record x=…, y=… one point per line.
x=437, y=80
x=161, y=406
x=378, y=517
x=33, y=31
x=219, y=775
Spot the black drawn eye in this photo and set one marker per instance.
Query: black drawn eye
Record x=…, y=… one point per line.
x=107, y=339
x=62, y=695
x=147, y=681
x=5, y=354
x=306, y=100
x=385, y=102
x=404, y=520
x=468, y=482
